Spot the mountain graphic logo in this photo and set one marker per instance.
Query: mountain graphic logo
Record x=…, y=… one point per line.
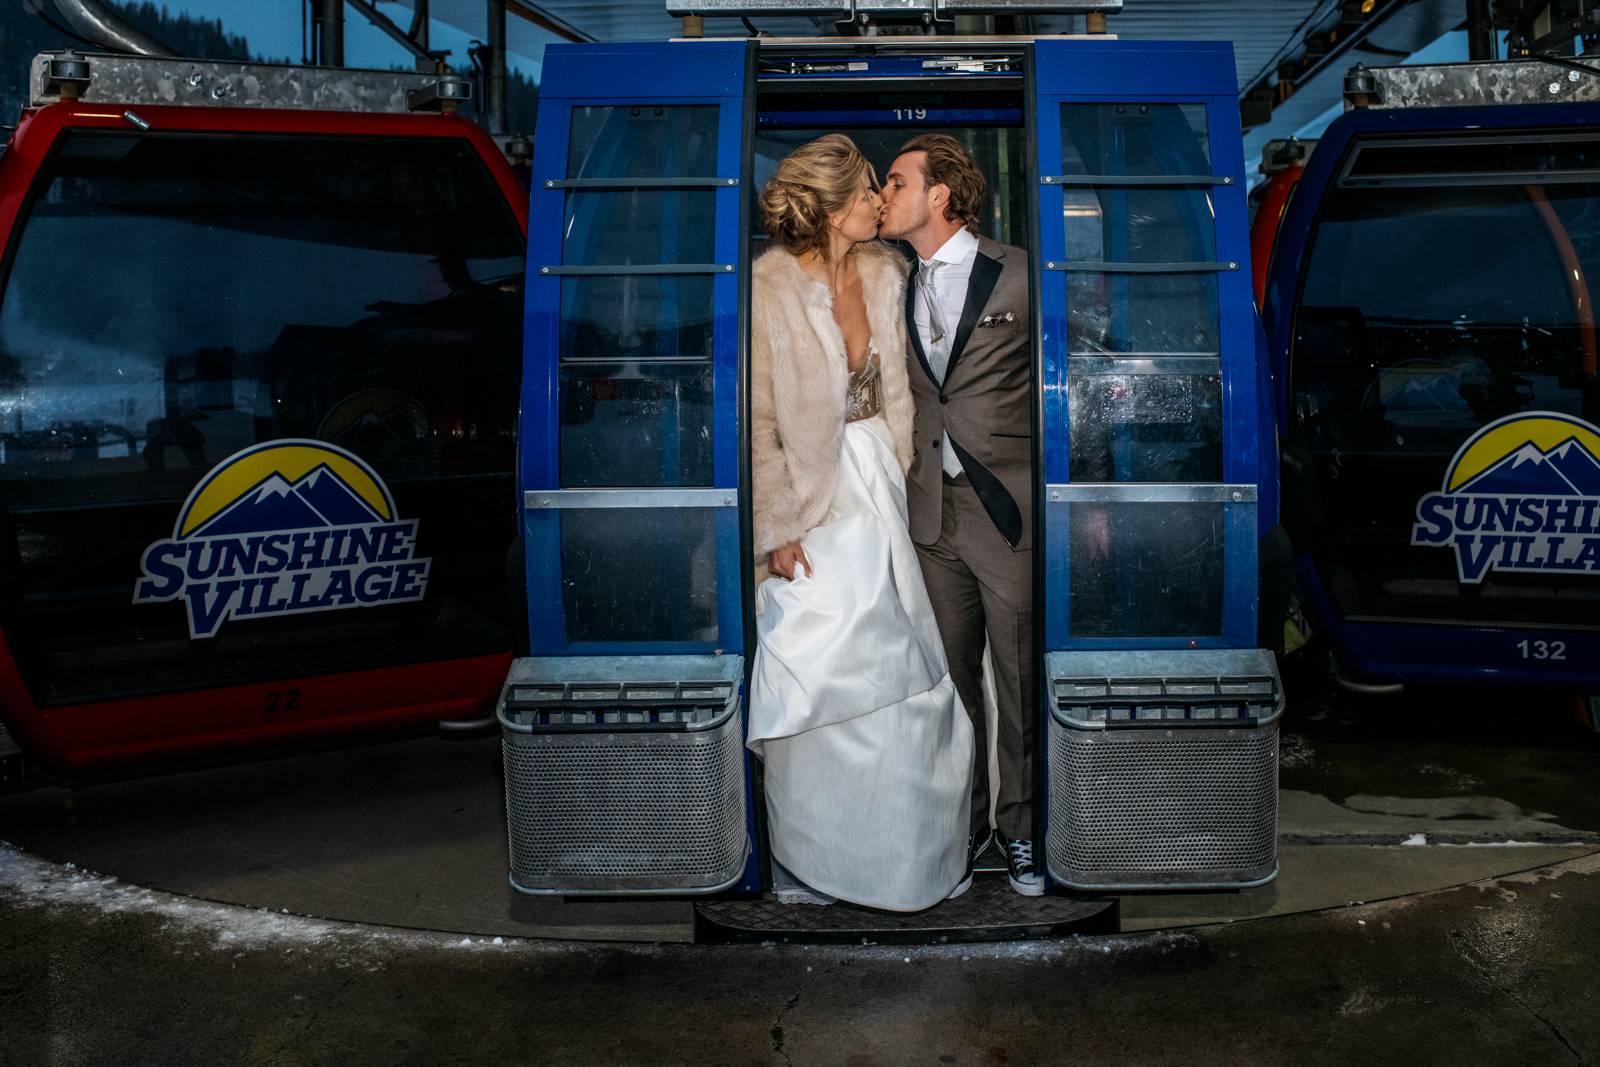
x=283, y=528
x=318, y=499
x=1568, y=469
x=1522, y=494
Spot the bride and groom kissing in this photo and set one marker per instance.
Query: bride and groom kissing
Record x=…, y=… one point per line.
x=892, y=479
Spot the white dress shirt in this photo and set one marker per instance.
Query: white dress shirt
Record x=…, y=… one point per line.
x=952, y=273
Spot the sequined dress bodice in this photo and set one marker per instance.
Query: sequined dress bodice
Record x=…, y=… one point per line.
x=862, y=396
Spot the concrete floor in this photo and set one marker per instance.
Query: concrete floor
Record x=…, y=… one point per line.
x=1423, y=808
x=1494, y=972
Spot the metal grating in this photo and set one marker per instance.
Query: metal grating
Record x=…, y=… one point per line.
x=989, y=911
x=1158, y=808
x=625, y=812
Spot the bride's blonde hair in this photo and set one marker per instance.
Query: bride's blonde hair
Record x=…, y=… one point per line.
x=815, y=180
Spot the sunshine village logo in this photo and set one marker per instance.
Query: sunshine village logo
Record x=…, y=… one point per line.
x=1522, y=495
x=284, y=528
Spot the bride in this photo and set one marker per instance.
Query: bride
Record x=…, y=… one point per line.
x=866, y=748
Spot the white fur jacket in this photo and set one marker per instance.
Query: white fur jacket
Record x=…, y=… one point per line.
x=798, y=380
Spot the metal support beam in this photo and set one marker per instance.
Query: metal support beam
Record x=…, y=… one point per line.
x=420, y=30
x=494, y=69
x=330, y=32
x=370, y=12
x=91, y=20
x=1481, y=43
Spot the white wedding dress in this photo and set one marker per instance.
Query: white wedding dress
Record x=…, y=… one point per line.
x=867, y=748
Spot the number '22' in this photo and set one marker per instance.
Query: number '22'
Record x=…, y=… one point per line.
x=283, y=700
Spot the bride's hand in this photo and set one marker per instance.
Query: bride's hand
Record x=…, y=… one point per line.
x=781, y=561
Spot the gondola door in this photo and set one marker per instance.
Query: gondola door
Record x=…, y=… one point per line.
x=625, y=765
x=1161, y=757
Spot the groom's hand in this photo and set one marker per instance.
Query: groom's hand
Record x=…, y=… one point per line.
x=781, y=561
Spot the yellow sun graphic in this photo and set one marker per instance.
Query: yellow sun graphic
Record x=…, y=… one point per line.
x=1498, y=440
x=292, y=460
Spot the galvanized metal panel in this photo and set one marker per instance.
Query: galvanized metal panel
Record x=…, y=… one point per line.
x=564, y=499
x=1150, y=493
x=202, y=83
x=1473, y=84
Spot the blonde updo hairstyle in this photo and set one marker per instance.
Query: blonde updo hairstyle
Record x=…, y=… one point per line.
x=815, y=180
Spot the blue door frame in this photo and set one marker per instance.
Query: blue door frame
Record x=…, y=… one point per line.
x=1135, y=73
x=652, y=75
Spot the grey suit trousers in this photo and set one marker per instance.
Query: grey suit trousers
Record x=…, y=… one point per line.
x=980, y=586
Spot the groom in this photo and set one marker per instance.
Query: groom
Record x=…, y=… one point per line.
x=970, y=488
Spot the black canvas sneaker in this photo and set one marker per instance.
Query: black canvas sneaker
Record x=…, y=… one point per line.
x=1020, y=871
x=975, y=848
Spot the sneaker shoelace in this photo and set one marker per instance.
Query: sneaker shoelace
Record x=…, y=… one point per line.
x=1022, y=853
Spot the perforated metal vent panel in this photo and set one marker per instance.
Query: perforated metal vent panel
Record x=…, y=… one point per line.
x=1154, y=808
x=617, y=812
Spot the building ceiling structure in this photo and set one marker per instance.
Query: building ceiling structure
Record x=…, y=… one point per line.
x=1264, y=34
x=1262, y=31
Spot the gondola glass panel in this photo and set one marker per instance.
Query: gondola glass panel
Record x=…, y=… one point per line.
x=1144, y=375
x=1449, y=285
x=640, y=274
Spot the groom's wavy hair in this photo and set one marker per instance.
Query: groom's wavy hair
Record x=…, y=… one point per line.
x=947, y=163
x=815, y=180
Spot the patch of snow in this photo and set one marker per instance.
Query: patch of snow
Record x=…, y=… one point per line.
x=1518, y=844
x=29, y=882
x=1589, y=864
x=33, y=882
x=1416, y=839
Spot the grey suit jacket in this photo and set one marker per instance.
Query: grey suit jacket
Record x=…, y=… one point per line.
x=984, y=402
